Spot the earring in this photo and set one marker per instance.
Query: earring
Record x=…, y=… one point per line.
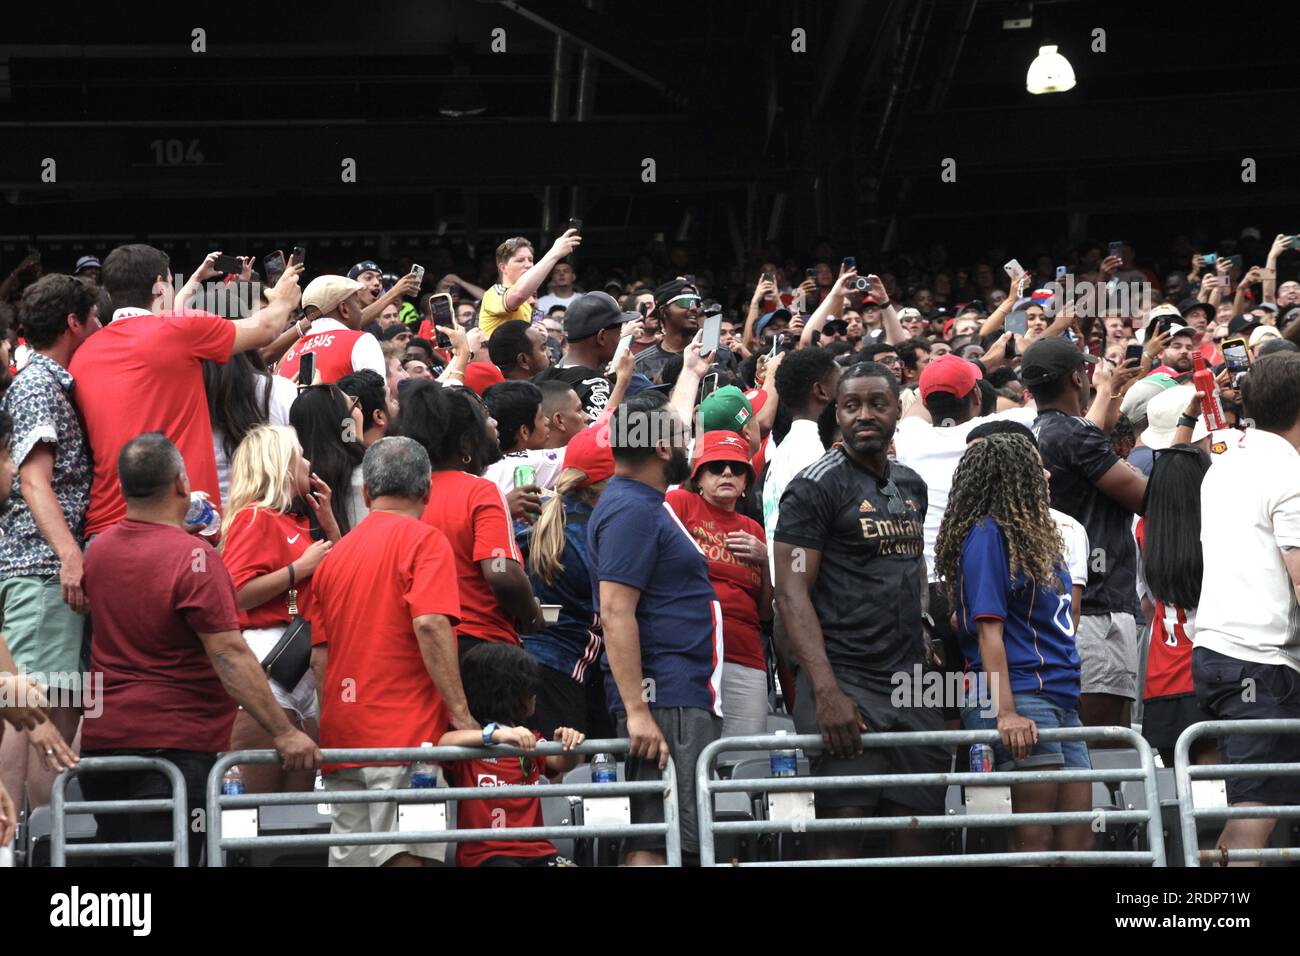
x=465, y=459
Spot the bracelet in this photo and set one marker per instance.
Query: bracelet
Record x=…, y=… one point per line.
x=1186, y=421
x=292, y=576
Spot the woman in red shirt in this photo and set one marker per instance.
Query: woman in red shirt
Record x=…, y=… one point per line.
x=453, y=425
x=1169, y=537
x=266, y=545
x=737, y=551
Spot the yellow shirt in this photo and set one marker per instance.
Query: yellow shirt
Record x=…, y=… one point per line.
x=492, y=310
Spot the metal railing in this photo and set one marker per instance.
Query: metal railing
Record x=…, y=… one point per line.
x=60, y=807
x=1185, y=772
x=1150, y=816
x=666, y=788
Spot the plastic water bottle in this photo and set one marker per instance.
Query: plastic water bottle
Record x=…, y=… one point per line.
x=784, y=763
x=202, y=514
x=424, y=774
x=232, y=784
x=603, y=769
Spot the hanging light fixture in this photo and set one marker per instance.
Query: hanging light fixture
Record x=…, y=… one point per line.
x=1050, y=72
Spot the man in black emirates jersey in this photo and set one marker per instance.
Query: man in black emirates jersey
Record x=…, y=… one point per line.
x=850, y=581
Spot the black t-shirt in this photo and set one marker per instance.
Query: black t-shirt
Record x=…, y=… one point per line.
x=1078, y=453
x=649, y=362
x=867, y=595
x=593, y=388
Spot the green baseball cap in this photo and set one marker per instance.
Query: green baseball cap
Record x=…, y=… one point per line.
x=727, y=409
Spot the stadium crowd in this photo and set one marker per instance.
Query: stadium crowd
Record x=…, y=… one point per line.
x=651, y=502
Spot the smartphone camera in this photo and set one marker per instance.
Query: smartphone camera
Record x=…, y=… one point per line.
x=860, y=284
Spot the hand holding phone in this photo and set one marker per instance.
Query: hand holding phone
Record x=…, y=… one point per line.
x=1115, y=248
x=307, y=370
x=440, y=308
x=624, y=344
x=274, y=267
x=228, y=265
x=299, y=255
x=712, y=329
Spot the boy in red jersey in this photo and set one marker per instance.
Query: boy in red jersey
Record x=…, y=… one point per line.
x=501, y=683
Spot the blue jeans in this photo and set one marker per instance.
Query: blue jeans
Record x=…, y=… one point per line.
x=1070, y=754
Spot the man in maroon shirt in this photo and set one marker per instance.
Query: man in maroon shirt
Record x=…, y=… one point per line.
x=167, y=641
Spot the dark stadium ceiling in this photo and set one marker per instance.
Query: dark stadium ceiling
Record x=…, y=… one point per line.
x=748, y=137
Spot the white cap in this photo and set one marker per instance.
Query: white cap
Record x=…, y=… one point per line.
x=326, y=292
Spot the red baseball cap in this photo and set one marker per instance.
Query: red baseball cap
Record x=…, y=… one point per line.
x=722, y=446
x=757, y=399
x=589, y=451
x=951, y=374
x=480, y=376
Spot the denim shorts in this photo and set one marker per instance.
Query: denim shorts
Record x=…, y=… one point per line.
x=1070, y=754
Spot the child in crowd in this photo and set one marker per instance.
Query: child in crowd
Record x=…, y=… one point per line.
x=501, y=683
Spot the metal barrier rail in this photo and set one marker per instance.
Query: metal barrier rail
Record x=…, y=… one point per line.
x=1185, y=772
x=666, y=787
x=707, y=786
x=178, y=845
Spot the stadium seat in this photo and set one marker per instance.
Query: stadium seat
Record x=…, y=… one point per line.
x=777, y=722
x=81, y=828
x=732, y=808
x=286, y=820
x=559, y=812
x=603, y=852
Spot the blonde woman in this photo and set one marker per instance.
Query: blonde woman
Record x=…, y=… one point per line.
x=268, y=549
x=555, y=557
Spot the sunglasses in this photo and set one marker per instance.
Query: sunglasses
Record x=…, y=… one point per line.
x=685, y=301
x=736, y=469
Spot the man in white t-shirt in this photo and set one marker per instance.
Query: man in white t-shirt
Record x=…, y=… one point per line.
x=561, y=289
x=1246, y=650
x=805, y=384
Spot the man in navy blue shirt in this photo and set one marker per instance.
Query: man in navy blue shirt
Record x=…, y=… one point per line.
x=661, y=619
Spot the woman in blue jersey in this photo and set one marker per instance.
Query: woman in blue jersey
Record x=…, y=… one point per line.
x=1000, y=553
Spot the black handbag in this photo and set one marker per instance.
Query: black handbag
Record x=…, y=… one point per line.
x=291, y=656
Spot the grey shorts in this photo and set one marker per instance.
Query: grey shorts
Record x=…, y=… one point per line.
x=1108, y=653
x=688, y=731
x=881, y=716
x=373, y=817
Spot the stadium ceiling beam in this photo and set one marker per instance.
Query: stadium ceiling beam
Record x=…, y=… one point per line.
x=588, y=39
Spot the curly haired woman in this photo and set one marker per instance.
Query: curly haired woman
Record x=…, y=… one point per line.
x=1000, y=553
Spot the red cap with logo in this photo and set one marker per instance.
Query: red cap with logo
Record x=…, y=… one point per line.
x=951, y=374
x=480, y=376
x=757, y=399
x=722, y=446
x=589, y=451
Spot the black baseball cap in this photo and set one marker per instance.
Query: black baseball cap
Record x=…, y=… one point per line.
x=591, y=312
x=1046, y=360
x=1243, y=324
x=671, y=290
x=365, y=265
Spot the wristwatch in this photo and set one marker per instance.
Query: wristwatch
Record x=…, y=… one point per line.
x=488, y=731
x=1186, y=421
